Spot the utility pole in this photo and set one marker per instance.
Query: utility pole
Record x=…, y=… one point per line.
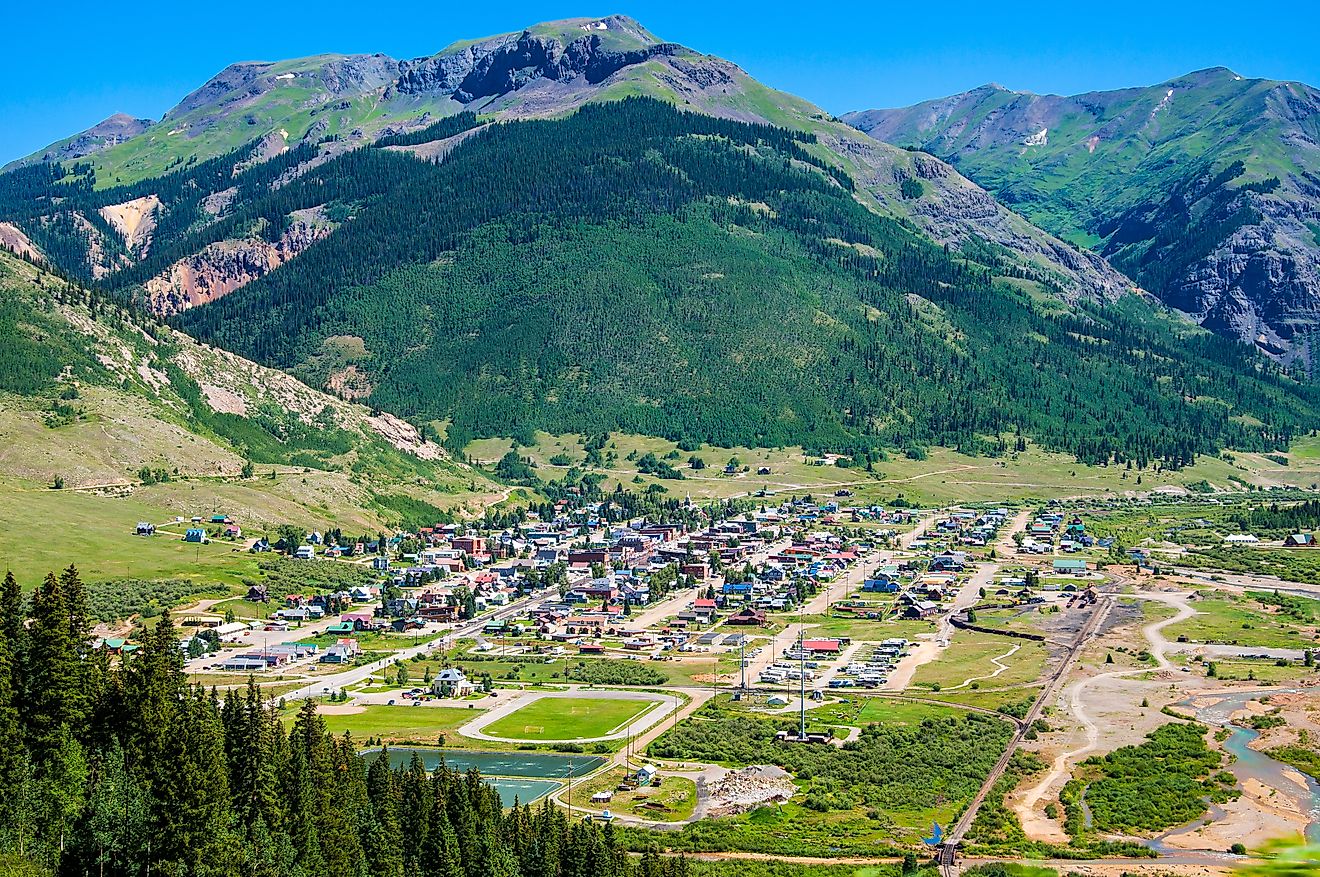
x=742, y=661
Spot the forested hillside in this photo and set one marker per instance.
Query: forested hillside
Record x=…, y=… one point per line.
x=751, y=272
x=126, y=769
x=711, y=280
x=121, y=196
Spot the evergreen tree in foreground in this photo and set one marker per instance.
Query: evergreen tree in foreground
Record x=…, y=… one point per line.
x=125, y=770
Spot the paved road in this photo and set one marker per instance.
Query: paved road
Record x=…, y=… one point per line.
x=353, y=675
x=820, y=603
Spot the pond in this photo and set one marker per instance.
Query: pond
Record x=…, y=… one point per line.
x=526, y=776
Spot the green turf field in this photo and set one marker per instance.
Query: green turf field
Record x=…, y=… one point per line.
x=567, y=718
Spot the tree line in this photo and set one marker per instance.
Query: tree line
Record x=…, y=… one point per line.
x=118, y=766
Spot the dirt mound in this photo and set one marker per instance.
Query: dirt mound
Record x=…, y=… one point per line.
x=742, y=790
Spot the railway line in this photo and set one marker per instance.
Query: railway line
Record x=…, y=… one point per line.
x=947, y=850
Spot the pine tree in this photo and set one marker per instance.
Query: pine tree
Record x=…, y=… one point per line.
x=52, y=684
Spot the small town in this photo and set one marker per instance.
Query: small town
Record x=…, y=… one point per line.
x=677, y=440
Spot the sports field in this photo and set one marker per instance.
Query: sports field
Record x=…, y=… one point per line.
x=568, y=718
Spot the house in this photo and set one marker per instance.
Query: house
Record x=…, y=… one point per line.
x=232, y=531
x=258, y=594
x=450, y=682
x=1300, y=540
x=921, y=609
x=880, y=586
x=951, y=561
x=196, y=534
x=821, y=646
x=342, y=652
x=305, y=552
x=145, y=528
x=358, y=620
x=245, y=664
x=1069, y=566
x=645, y=775
x=1241, y=539
x=748, y=616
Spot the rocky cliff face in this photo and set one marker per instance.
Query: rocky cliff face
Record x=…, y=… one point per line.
x=1261, y=282
x=1204, y=189
x=223, y=267
x=475, y=73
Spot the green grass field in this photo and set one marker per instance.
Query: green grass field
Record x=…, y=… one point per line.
x=412, y=724
x=671, y=801
x=858, y=629
x=864, y=710
x=41, y=530
x=1238, y=622
x=969, y=656
x=567, y=718
x=945, y=476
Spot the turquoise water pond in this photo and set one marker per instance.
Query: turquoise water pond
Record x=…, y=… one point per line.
x=526, y=776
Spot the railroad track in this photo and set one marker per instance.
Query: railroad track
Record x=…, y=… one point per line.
x=948, y=849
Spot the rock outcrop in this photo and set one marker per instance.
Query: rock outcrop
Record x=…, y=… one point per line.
x=222, y=267
x=135, y=221
x=103, y=135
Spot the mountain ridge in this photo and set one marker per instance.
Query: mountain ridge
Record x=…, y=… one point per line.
x=1203, y=188
x=664, y=245
x=281, y=104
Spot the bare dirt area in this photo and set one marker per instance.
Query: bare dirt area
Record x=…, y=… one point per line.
x=1262, y=814
x=1099, y=711
x=1300, y=712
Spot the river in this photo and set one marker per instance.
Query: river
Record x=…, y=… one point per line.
x=1248, y=764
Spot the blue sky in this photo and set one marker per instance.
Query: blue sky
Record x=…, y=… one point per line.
x=75, y=63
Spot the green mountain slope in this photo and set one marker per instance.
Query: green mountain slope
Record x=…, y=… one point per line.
x=330, y=104
x=709, y=280
x=93, y=396
x=1204, y=189
x=611, y=232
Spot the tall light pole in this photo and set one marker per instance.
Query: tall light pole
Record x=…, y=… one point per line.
x=742, y=660
x=802, y=674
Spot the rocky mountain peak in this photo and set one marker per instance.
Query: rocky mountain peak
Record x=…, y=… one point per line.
x=558, y=51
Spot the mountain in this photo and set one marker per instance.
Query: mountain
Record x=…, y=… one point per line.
x=333, y=103
x=1205, y=189
x=101, y=136
x=595, y=230
x=92, y=396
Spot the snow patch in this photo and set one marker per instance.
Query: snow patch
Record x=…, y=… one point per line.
x=1040, y=138
x=285, y=76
